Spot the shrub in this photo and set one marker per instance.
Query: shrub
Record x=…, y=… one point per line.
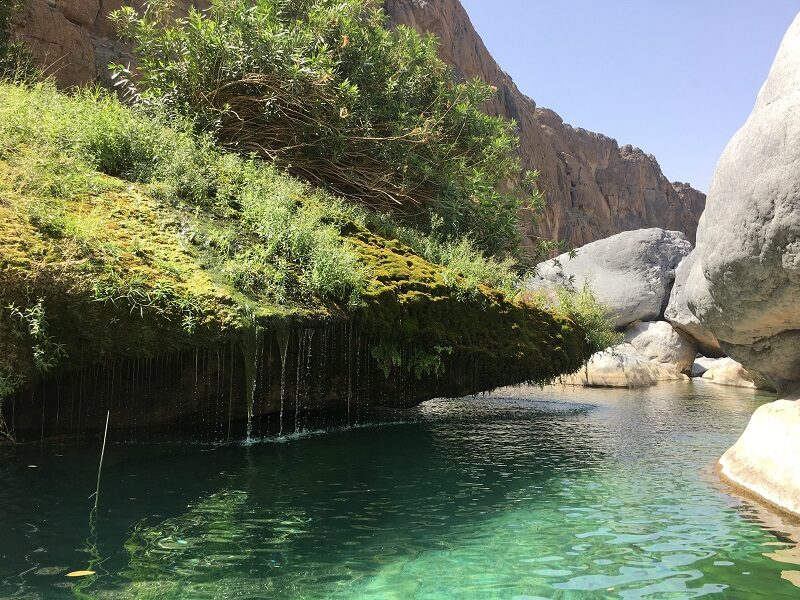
x=323, y=89
x=582, y=307
x=15, y=62
x=278, y=224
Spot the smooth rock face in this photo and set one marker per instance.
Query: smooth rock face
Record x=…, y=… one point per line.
x=631, y=272
x=726, y=371
x=766, y=459
x=622, y=366
x=745, y=283
x=660, y=342
x=679, y=315
x=594, y=187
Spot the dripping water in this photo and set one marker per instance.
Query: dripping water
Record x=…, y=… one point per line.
x=301, y=341
x=250, y=344
x=283, y=341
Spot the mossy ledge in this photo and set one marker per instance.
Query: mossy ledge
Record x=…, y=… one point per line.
x=113, y=296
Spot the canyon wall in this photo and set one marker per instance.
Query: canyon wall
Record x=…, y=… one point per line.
x=594, y=187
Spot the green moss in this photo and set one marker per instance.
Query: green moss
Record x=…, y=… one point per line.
x=409, y=301
x=135, y=240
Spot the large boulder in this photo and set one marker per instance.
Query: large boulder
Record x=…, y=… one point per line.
x=660, y=342
x=765, y=458
x=623, y=366
x=745, y=283
x=631, y=272
x=679, y=315
x=726, y=371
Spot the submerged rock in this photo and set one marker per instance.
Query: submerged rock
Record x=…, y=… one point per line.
x=660, y=342
x=631, y=272
x=679, y=315
x=623, y=366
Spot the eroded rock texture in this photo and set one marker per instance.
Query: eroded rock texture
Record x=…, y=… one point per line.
x=594, y=187
x=745, y=283
x=660, y=342
x=679, y=315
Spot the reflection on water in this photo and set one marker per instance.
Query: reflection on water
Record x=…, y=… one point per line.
x=527, y=493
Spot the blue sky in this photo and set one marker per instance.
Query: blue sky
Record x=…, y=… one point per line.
x=675, y=77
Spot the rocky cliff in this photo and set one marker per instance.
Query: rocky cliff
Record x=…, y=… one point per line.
x=594, y=187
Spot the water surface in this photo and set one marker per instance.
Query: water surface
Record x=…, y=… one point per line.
x=527, y=493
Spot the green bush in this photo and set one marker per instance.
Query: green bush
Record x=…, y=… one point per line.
x=277, y=225
x=323, y=89
x=582, y=307
x=294, y=238
x=15, y=62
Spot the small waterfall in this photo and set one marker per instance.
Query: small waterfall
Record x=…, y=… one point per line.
x=249, y=344
x=349, y=358
x=230, y=389
x=306, y=379
x=301, y=340
x=283, y=343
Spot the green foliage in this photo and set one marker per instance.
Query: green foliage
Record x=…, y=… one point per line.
x=387, y=356
x=15, y=62
x=465, y=266
x=583, y=307
x=32, y=325
x=286, y=237
x=418, y=361
x=285, y=241
x=9, y=382
x=187, y=246
x=324, y=90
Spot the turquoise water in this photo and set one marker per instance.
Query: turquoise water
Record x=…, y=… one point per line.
x=554, y=493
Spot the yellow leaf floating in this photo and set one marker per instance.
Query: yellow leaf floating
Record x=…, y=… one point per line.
x=80, y=573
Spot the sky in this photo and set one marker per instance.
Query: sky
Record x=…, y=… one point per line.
x=675, y=77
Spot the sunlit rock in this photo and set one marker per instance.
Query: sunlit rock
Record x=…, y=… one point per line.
x=660, y=342
x=766, y=458
x=623, y=366
x=679, y=315
x=631, y=272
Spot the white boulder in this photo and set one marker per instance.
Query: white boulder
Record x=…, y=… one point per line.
x=679, y=315
x=631, y=272
x=660, y=342
x=744, y=284
x=623, y=366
